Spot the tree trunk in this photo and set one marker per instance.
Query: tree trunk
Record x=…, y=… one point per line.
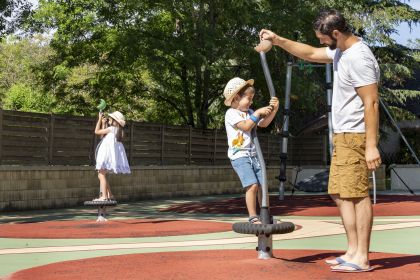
x=186, y=93
x=205, y=101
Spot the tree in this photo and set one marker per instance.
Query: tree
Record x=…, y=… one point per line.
x=12, y=15
x=141, y=53
x=169, y=60
x=22, y=97
x=20, y=85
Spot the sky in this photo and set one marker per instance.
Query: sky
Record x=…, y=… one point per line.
x=404, y=34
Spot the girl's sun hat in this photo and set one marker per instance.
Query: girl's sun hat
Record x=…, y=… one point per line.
x=118, y=117
x=233, y=87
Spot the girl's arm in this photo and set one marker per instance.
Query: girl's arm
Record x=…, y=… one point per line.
x=98, y=129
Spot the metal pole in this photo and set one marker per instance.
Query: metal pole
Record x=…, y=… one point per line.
x=374, y=186
x=264, y=185
x=265, y=243
x=267, y=75
x=329, y=102
x=272, y=92
x=399, y=130
x=285, y=132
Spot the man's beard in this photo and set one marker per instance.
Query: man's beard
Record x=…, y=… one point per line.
x=333, y=46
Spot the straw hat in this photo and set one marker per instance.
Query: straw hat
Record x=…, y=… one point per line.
x=233, y=87
x=118, y=117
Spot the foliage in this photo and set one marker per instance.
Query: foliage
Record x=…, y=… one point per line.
x=404, y=155
x=12, y=14
x=21, y=97
x=168, y=61
x=18, y=61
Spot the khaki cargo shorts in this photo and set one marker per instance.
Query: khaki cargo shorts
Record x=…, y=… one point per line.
x=348, y=171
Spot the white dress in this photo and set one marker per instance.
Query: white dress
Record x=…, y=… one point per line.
x=110, y=154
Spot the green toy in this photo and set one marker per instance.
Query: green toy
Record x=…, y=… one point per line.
x=102, y=105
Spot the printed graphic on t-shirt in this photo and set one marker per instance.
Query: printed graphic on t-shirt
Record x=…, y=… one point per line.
x=239, y=141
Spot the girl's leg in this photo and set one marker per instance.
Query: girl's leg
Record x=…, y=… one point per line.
x=102, y=184
x=108, y=191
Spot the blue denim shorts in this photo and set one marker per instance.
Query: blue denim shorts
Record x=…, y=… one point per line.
x=248, y=170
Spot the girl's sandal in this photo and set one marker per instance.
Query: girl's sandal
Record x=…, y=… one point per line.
x=99, y=199
x=254, y=220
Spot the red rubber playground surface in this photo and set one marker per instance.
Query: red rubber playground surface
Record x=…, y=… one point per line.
x=222, y=256
x=226, y=264
x=308, y=205
x=110, y=229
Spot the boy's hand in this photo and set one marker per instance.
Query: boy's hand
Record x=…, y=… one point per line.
x=264, y=111
x=274, y=102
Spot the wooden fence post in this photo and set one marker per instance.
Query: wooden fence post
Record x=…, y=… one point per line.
x=189, y=144
x=51, y=140
x=130, y=160
x=162, y=142
x=93, y=147
x=215, y=147
x=1, y=133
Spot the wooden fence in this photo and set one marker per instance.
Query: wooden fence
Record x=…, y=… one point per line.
x=49, y=139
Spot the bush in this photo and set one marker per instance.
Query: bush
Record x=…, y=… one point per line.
x=21, y=97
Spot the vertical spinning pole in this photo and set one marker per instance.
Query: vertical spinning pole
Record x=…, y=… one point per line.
x=265, y=242
x=329, y=102
x=101, y=214
x=285, y=130
x=272, y=94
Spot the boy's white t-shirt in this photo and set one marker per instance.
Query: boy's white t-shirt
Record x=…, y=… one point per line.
x=355, y=67
x=240, y=144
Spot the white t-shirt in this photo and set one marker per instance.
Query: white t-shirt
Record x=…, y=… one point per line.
x=355, y=67
x=240, y=144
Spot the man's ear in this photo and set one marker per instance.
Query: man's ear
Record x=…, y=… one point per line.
x=335, y=34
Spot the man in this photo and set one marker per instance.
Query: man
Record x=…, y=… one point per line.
x=355, y=117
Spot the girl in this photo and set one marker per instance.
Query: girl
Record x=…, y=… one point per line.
x=110, y=153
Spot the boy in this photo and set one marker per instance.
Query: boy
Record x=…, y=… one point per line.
x=239, y=122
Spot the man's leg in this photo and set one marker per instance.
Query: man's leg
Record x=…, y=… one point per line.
x=348, y=217
x=364, y=221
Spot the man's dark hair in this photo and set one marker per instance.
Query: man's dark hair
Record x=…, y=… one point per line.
x=329, y=20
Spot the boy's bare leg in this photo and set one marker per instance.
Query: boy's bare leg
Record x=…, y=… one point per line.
x=251, y=199
x=260, y=196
